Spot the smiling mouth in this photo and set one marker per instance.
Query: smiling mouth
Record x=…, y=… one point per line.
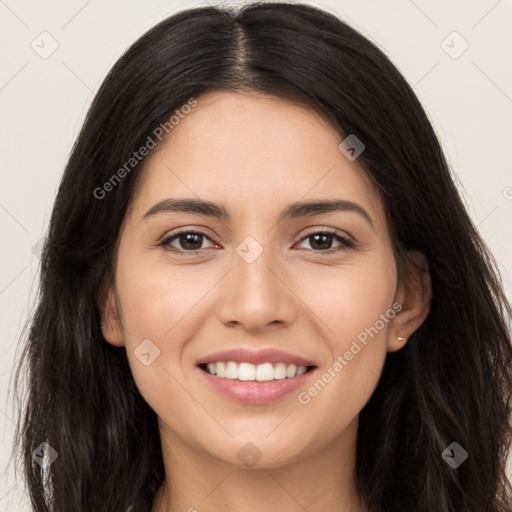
x=248, y=372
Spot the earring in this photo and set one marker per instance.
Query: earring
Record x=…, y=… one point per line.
x=401, y=340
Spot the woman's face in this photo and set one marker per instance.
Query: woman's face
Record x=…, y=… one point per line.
x=261, y=276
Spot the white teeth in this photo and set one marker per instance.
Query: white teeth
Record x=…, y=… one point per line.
x=220, y=369
x=246, y=371
x=280, y=371
x=264, y=371
x=251, y=372
x=291, y=371
x=231, y=370
x=301, y=370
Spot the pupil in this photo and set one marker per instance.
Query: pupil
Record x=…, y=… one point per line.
x=325, y=237
x=188, y=241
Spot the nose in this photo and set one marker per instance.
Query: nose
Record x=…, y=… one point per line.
x=257, y=294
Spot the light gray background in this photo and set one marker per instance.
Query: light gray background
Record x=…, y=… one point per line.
x=43, y=103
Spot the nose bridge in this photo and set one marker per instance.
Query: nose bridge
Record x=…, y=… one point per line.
x=253, y=294
x=256, y=284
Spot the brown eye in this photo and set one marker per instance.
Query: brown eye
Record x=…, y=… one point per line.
x=188, y=241
x=321, y=241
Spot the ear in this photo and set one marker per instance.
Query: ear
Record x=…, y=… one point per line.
x=109, y=314
x=414, y=293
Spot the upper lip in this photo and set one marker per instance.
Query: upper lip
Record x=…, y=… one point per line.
x=269, y=355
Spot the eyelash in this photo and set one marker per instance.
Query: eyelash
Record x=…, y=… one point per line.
x=345, y=243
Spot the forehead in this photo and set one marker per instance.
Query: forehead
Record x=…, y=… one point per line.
x=252, y=151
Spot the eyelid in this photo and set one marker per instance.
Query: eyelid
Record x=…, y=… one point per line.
x=345, y=240
x=166, y=239
x=330, y=231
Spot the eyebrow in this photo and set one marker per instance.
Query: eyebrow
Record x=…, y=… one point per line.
x=293, y=211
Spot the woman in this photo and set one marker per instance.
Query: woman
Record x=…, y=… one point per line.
x=261, y=290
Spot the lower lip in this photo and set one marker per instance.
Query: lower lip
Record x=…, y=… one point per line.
x=254, y=392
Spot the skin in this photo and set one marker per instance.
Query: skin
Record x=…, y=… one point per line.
x=255, y=155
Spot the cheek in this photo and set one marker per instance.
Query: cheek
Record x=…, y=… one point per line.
x=157, y=297
x=355, y=303
x=352, y=297
x=161, y=306
x=156, y=306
